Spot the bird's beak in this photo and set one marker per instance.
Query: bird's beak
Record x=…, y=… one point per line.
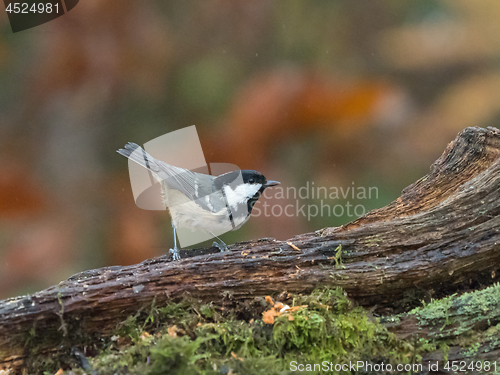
x=272, y=183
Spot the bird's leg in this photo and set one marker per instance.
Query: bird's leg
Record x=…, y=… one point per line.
x=221, y=246
x=175, y=250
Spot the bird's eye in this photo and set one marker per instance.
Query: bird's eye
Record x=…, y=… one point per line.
x=251, y=181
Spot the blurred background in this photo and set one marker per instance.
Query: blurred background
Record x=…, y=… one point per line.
x=332, y=92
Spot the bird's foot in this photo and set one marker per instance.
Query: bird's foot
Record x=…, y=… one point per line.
x=221, y=246
x=175, y=253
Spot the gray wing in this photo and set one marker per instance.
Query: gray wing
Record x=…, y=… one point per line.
x=198, y=187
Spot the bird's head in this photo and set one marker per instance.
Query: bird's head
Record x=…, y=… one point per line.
x=255, y=184
x=247, y=189
x=257, y=180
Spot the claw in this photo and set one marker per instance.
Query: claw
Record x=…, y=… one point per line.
x=221, y=246
x=175, y=253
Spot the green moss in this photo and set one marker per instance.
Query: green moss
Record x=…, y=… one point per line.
x=195, y=338
x=372, y=240
x=472, y=350
x=200, y=339
x=464, y=321
x=457, y=315
x=338, y=257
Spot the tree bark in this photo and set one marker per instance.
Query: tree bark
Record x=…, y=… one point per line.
x=443, y=230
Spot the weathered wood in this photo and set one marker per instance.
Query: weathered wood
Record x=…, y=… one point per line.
x=461, y=322
x=444, y=229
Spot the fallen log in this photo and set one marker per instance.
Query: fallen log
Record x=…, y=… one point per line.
x=468, y=324
x=442, y=231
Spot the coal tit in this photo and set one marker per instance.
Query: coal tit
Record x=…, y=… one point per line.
x=200, y=201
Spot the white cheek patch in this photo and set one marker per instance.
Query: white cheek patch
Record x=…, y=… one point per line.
x=252, y=190
x=241, y=194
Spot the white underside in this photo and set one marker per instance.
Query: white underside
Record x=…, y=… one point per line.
x=190, y=216
x=187, y=214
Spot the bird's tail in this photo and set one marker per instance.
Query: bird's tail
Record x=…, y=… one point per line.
x=136, y=153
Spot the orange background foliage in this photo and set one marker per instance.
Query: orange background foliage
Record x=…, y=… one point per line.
x=339, y=93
